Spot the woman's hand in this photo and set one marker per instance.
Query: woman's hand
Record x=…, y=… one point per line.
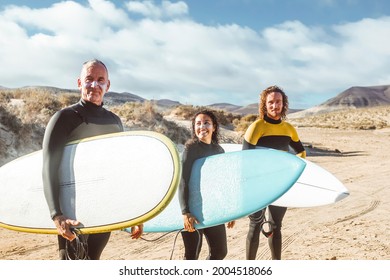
x=231, y=224
x=137, y=231
x=189, y=221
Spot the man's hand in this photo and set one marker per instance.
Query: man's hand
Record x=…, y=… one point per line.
x=63, y=225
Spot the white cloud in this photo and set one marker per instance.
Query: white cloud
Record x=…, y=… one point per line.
x=175, y=9
x=149, y=9
x=184, y=60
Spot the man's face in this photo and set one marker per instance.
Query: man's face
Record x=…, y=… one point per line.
x=274, y=104
x=93, y=83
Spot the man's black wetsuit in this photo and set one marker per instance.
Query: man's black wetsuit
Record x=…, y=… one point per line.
x=279, y=135
x=81, y=120
x=215, y=236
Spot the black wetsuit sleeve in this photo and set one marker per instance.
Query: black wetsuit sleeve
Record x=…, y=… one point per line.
x=183, y=192
x=119, y=122
x=246, y=145
x=297, y=146
x=55, y=138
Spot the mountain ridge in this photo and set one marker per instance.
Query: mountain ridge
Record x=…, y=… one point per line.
x=351, y=98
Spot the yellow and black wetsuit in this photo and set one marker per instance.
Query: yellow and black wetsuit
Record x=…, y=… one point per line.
x=275, y=134
x=279, y=135
x=81, y=120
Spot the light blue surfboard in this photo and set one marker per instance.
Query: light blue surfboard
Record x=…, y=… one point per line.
x=229, y=186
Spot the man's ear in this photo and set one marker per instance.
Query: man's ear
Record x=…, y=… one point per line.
x=79, y=84
x=108, y=85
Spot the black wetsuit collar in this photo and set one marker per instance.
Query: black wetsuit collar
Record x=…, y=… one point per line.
x=203, y=144
x=90, y=105
x=268, y=119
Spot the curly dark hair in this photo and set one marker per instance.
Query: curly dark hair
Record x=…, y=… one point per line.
x=215, y=136
x=263, y=98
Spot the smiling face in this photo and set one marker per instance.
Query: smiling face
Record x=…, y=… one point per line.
x=274, y=105
x=204, y=128
x=93, y=83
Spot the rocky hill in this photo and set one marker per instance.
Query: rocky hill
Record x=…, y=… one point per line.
x=358, y=97
x=352, y=98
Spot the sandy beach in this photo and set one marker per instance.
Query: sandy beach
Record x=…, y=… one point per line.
x=356, y=228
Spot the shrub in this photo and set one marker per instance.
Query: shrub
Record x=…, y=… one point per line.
x=145, y=116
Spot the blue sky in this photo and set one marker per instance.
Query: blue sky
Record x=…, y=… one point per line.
x=200, y=51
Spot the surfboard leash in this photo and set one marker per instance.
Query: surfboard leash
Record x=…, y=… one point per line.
x=174, y=241
x=272, y=226
x=262, y=220
x=78, y=248
x=163, y=235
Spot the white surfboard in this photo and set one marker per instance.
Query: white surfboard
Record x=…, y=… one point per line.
x=315, y=187
x=108, y=182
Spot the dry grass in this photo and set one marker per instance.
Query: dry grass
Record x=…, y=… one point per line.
x=145, y=116
x=23, y=117
x=362, y=118
x=242, y=124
